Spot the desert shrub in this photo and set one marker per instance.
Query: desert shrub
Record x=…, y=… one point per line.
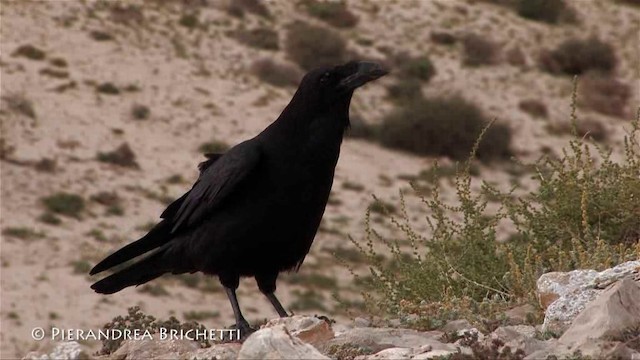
x=238, y=8
x=478, y=50
x=332, y=12
x=189, y=20
x=360, y=129
x=405, y=91
x=277, y=74
x=605, y=94
x=581, y=214
x=122, y=156
x=23, y=233
x=442, y=127
x=418, y=67
x=261, y=38
x=30, y=52
x=443, y=38
x=136, y=319
x=585, y=128
x=213, y=147
x=64, y=204
x=535, y=108
x=99, y=35
x=312, y=46
x=140, y=112
x=549, y=11
x=576, y=57
x=19, y=103
x=108, y=88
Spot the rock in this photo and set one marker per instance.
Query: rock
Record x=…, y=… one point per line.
x=554, y=285
x=617, y=309
x=419, y=353
x=277, y=343
x=519, y=337
x=309, y=329
x=565, y=295
x=379, y=339
x=456, y=325
x=70, y=350
x=361, y=322
x=520, y=314
x=390, y=353
x=227, y=351
x=598, y=349
x=155, y=348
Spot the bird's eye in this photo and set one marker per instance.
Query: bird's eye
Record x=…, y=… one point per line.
x=325, y=77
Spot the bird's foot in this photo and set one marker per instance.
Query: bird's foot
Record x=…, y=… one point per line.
x=241, y=332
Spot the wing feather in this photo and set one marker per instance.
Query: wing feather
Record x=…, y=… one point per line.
x=216, y=183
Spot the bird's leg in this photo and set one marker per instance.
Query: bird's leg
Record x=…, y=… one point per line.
x=267, y=285
x=276, y=304
x=241, y=323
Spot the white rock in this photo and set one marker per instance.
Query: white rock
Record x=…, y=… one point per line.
x=565, y=295
x=614, y=311
x=227, y=351
x=277, y=343
x=70, y=350
x=309, y=329
x=154, y=349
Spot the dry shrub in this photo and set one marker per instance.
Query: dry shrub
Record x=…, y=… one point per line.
x=122, y=156
x=535, y=108
x=443, y=37
x=413, y=67
x=277, y=74
x=335, y=13
x=549, y=11
x=312, y=46
x=516, y=57
x=576, y=57
x=128, y=15
x=605, y=94
x=478, y=50
x=586, y=128
x=261, y=38
x=443, y=127
x=238, y=8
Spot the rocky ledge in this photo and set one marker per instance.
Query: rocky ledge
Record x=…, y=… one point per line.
x=594, y=314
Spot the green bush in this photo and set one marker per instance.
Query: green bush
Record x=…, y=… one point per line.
x=277, y=74
x=65, y=204
x=312, y=46
x=582, y=214
x=576, y=57
x=332, y=12
x=443, y=127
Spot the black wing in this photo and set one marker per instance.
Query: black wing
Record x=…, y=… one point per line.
x=216, y=182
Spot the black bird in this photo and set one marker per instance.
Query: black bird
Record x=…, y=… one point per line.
x=255, y=210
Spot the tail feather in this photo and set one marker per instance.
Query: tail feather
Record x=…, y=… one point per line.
x=158, y=236
x=139, y=273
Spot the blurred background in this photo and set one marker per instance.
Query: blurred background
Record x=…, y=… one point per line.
x=105, y=104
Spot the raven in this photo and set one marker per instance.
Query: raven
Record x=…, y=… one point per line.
x=254, y=210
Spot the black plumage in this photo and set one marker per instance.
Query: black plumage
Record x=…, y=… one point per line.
x=253, y=211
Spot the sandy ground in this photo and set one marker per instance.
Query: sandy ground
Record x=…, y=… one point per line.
x=209, y=93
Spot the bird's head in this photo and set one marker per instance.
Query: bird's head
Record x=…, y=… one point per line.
x=331, y=88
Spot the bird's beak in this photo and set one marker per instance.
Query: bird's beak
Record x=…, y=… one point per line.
x=367, y=71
